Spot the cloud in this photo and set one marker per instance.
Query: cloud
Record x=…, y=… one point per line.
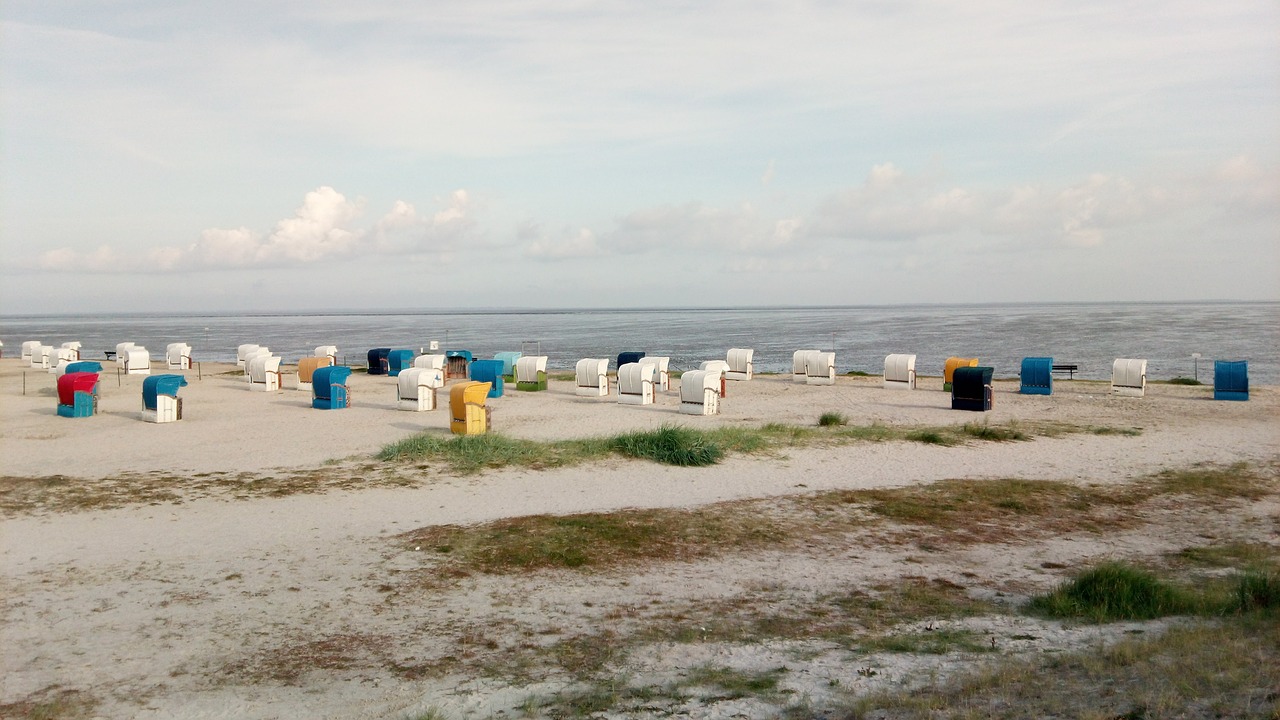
x=568, y=244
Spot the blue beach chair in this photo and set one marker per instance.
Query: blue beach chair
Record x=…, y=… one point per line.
x=488, y=371
x=1230, y=380
x=1037, y=376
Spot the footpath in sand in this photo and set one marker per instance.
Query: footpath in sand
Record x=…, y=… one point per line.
x=217, y=603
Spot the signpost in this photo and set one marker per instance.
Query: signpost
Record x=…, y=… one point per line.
x=1195, y=359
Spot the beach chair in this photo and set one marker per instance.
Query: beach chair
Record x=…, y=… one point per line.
x=457, y=364
x=489, y=371
x=531, y=373
x=398, y=360
x=949, y=368
x=264, y=372
x=971, y=389
x=242, y=352
x=73, y=346
x=900, y=372
x=29, y=347
x=820, y=368
x=307, y=367
x=1037, y=376
x=40, y=357
x=800, y=365
x=78, y=394
x=721, y=367
x=329, y=390
x=177, y=356
x=378, y=363
x=592, y=377
x=416, y=388
x=329, y=351
x=468, y=414
x=740, y=365
x=80, y=366
x=662, y=371
x=1129, y=377
x=700, y=392
x=160, y=401
x=137, y=361
x=627, y=357
x=257, y=352
x=635, y=383
x=430, y=362
x=1230, y=380
x=60, y=356
x=508, y=360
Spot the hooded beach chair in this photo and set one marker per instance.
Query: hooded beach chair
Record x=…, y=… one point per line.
x=531, y=373
x=41, y=357
x=700, y=392
x=78, y=394
x=971, y=389
x=592, y=377
x=329, y=351
x=820, y=368
x=378, y=362
x=628, y=356
x=1037, y=376
x=160, y=401
x=137, y=361
x=61, y=356
x=457, y=364
x=468, y=414
x=250, y=356
x=740, y=366
x=661, y=372
x=635, y=383
x=29, y=347
x=489, y=371
x=721, y=367
x=398, y=360
x=800, y=365
x=430, y=362
x=243, y=351
x=73, y=346
x=329, y=390
x=900, y=372
x=949, y=368
x=416, y=388
x=81, y=366
x=177, y=356
x=307, y=367
x=264, y=372
x=508, y=360
x=1129, y=377
x=1230, y=380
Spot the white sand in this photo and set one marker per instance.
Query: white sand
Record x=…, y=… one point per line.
x=144, y=607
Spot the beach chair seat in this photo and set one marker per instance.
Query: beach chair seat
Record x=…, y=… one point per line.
x=457, y=364
x=29, y=347
x=700, y=392
x=242, y=352
x=949, y=369
x=430, y=362
x=591, y=376
x=160, y=401
x=800, y=365
x=1230, y=380
x=468, y=413
x=900, y=372
x=398, y=360
x=508, y=360
x=137, y=361
x=489, y=371
x=78, y=394
x=1036, y=376
x=264, y=372
x=661, y=371
x=635, y=383
x=329, y=390
x=971, y=389
x=531, y=373
x=378, y=362
x=177, y=356
x=1129, y=377
x=820, y=368
x=329, y=351
x=740, y=364
x=721, y=367
x=416, y=388
x=307, y=367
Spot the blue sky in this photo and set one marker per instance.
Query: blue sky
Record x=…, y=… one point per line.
x=293, y=155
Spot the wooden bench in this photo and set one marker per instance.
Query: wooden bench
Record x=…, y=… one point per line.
x=1070, y=369
x=111, y=354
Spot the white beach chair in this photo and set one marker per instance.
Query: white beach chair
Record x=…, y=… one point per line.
x=74, y=346
x=264, y=372
x=700, y=392
x=430, y=362
x=740, y=365
x=531, y=372
x=177, y=356
x=800, y=365
x=900, y=372
x=662, y=371
x=721, y=367
x=820, y=368
x=249, y=357
x=329, y=351
x=137, y=361
x=244, y=351
x=63, y=356
x=592, y=377
x=1129, y=377
x=29, y=347
x=635, y=383
x=416, y=388
x=40, y=357
x=122, y=352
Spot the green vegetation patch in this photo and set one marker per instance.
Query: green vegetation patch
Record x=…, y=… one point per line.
x=1111, y=592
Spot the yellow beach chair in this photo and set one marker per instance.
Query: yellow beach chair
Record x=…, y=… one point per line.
x=468, y=414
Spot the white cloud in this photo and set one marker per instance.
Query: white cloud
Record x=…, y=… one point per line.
x=580, y=243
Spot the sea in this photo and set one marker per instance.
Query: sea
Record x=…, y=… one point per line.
x=1177, y=339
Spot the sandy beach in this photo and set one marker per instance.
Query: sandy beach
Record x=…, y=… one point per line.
x=179, y=608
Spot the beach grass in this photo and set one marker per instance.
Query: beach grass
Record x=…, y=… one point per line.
x=1114, y=591
x=1183, y=381
x=832, y=419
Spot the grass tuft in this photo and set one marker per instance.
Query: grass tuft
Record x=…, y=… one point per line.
x=998, y=434
x=1184, y=381
x=832, y=419
x=670, y=445
x=1257, y=591
x=1111, y=592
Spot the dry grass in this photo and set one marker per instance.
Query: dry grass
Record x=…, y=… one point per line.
x=52, y=703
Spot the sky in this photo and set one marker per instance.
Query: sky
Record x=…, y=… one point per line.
x=160, y=155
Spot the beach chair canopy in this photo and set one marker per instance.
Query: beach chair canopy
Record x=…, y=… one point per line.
x=508, y=360
x=398, y=360
x=160, y=385
x=467, y=412
x=378, y=361
x=949, y=367
x=327, y=351
x=629, y=356
x=84, y=366
x=800, y=362
x=29, y=347
x=489, y=371
x=695, y=383
x=463, y=354
x=820, y=364
x=73, y=345
x=178, y=356
x=633, y=377
x=1128, y=374
x=243, y=351
x=740, y=363
x=411, y=379
x=716, y=366
x=327, y=382
x=900, y=369
x=77, y=382
x=262, y=365
x=307, y=366
x=591, y=372
x=1231, y=380
x=1037, y=376
x=137, y=360
x=528, y=368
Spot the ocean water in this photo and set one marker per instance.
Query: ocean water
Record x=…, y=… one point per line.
x=1091, y=335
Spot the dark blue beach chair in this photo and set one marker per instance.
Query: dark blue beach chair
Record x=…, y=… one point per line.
x=1037, y=376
